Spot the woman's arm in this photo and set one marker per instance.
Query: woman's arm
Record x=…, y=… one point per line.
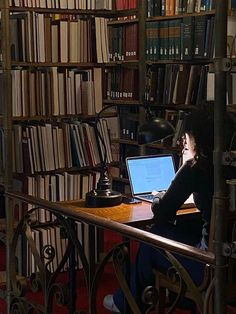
x=181, y=188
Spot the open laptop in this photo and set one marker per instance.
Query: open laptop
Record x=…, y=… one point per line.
x=149, y=175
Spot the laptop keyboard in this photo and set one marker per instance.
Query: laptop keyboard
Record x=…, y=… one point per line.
x=148, y=197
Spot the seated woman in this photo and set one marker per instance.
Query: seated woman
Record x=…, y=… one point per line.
x=195, y=176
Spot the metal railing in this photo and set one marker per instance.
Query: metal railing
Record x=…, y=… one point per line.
x=44, y=277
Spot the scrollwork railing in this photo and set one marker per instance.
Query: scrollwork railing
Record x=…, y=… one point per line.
x=45, y=277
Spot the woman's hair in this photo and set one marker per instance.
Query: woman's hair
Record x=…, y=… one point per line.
x=200, y=124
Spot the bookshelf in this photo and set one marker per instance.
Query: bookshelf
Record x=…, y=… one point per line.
x=51, y=91
x=42, y=112
x=174, y=51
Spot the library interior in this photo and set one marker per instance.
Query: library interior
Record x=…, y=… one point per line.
x=117, y=156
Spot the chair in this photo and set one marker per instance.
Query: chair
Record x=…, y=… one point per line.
x=180, y=284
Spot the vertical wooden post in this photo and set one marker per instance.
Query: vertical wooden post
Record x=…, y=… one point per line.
x=220, y=195
x=142, y=58
x=7, y=124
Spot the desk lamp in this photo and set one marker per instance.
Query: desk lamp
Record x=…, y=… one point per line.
x=153, y=130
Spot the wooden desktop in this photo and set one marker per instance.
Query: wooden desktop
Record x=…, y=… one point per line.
x=132, y=214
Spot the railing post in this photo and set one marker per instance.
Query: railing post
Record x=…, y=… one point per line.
x=220, y=201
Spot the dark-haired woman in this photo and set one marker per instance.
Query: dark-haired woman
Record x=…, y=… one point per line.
x=195, y=176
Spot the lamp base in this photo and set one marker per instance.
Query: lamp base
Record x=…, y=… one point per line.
x=99, y=198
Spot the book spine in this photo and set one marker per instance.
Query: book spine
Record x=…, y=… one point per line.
x=187, y=47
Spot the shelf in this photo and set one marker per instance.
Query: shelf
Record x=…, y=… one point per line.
x=57, y=64
x=179, y=16
x=128, y=142
x=105, y=13
x=122, y=63
x=58, y=171
x=80, y=117
x=122, y=102
x=172, y=106
x=176, y=61
x=126, y=21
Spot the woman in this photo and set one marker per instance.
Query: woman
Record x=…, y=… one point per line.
x=195, y=176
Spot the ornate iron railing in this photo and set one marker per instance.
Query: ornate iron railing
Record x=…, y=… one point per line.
x=46, y=278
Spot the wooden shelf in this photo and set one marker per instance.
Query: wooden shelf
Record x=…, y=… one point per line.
x=83, y=65
x=179, y=61
x=122, y=102
x=126, y=21
x=105, y=13
x=179, y=16
x=61, y=170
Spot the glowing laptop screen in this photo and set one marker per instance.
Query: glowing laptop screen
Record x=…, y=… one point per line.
x=150, y=173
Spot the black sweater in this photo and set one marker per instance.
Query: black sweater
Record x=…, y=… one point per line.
x=193, y=177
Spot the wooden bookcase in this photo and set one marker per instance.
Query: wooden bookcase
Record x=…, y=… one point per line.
x=172, y=71
x=140, y=67
x=49, y=100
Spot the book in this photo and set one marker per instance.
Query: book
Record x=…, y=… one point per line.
x=63, y=41
x=55, y=94
x=190, y=6
x=187, y=37
x=232, y=4
x=181, y=84
x=73, y=41
x=98, y=40
x=55, y=42
x=193, y=82
x=97, y=78
x=199, y=36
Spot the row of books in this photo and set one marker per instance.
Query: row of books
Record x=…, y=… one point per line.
x=125, y=4
x=121, y=83
x=175, y=7
x=53, y=187
x=56, y=91
x=47, y=146
x=57, y=187
x=128, y=123
x=123, y=42
x=38, y=37
x=56, y=238
x=230, y=88
x=180, y=39
x=64, y=4
x=177, y=84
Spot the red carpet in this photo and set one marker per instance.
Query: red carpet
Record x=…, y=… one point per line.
x=107, y=285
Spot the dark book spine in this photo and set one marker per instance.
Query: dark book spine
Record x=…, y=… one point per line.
x=148, y=39
x=171, y=41
x=160, y=85
x=177, y=39
x=187, y=40
x=199, y=35
x=157, y=8
x=233, y=4
x=163, y=8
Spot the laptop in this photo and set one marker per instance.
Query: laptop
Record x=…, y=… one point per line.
x=150, y=175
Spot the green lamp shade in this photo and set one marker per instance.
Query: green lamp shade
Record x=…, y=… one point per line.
x=155, y=130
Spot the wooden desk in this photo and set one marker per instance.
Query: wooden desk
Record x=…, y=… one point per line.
x=132, y=214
